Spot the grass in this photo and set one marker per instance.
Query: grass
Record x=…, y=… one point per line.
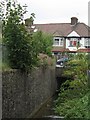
x=4, y=66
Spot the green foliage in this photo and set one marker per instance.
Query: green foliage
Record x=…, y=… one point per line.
x=77, y=67
x=43, y=42
x=16, y=39
x=72, y=101
x=22, y=47
x=74, y=108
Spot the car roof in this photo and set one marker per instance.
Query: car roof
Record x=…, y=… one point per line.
x=62, y=59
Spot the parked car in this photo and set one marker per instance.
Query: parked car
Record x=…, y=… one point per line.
x=61, y=62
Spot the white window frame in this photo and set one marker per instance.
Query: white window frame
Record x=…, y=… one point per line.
x=74, y=39
x=61, y=41
x=58, y=43
x=87, y=42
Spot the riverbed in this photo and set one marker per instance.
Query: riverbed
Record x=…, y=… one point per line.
x=47, y=109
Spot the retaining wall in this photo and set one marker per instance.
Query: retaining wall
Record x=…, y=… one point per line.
x=23, y=94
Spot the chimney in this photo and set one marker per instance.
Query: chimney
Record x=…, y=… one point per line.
x=74, y=21
x=28, y=22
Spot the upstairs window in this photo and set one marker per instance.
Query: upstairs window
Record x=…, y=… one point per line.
x=61, y=42
x=73, y=42
x=87, y=42
x=58, y=41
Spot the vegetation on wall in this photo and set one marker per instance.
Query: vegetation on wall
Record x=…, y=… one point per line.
x=22, y=47
x=16, y=38
x=73, y=99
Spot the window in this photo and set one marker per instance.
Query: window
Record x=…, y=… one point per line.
x=58, y=41
x=87, y=42
x=73, y=42
x=61, y=42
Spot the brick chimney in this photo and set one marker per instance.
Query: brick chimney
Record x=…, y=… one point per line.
x=74, y=21
x=28, y=22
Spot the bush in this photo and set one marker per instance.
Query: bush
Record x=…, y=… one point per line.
x=73, y=99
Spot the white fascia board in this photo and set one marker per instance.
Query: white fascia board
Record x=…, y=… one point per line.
x=73, y=34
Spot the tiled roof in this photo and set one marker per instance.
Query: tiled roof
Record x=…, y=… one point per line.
x=64, y=29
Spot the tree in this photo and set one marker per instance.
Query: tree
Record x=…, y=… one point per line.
x=22, y=47
x=43, y=42
x=16, y=38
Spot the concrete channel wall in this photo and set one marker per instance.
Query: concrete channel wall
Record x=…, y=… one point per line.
x=23, y=94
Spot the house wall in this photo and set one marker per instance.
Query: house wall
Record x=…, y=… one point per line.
x=59, y=48
x=82, y=43
x=73, y=35
x=66, y=43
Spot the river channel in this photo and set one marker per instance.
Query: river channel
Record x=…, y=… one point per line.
x=47, y=109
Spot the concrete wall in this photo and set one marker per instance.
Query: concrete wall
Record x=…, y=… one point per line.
x=23, y=94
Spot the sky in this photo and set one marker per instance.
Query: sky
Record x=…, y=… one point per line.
x=56, y=11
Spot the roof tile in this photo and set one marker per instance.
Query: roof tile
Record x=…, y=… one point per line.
x=63, y=29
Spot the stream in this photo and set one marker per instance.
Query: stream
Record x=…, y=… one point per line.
x=47, y=111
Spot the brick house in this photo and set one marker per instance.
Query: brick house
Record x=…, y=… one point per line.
x=67, y=37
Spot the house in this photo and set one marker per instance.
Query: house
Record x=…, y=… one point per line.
x=67, y=37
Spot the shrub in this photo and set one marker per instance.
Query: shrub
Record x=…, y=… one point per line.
x=73, y=99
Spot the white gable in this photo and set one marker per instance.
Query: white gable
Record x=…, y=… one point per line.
x=73, y=33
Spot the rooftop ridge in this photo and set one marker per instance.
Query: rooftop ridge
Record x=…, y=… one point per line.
x=59, y=23
x=50, y=23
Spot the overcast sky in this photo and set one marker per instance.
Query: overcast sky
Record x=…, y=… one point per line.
x=57, y=11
